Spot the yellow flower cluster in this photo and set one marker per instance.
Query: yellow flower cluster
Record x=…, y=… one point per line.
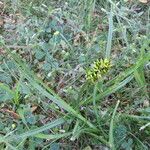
x=98, y=69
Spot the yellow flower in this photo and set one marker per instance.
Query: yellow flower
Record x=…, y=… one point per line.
x=98, y=69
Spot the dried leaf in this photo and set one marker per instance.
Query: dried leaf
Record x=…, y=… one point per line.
x=33, y=108
x=12, y=113
x=144, y=1
x=1, y=21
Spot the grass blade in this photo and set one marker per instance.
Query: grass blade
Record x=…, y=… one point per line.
x=52, y=137
x=36, y=131
x=111, y=130
x=10, y=147
x=110, y=34
x=109, y=90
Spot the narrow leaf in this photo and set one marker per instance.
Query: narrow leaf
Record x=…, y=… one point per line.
x=111, y=130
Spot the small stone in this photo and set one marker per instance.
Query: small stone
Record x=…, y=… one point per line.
x=13, y=126
x=146, y=103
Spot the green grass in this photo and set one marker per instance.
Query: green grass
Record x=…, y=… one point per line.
x=46, y=101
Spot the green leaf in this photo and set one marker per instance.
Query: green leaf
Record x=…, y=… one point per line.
x=127, y=144
x=4, y=96
x=4, y=77
x=47, y=66
x=31, y=119
x=39, y=54
x=24, y=89
x=6, y=93
x=55, y=146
